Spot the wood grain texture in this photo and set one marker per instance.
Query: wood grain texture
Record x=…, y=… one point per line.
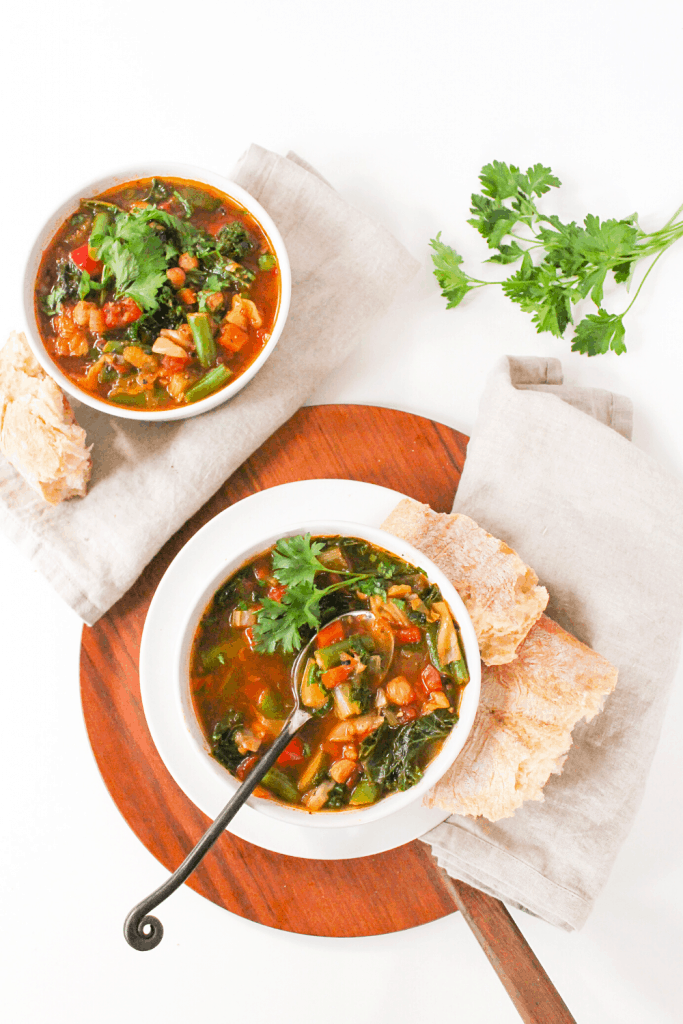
x=529, y=987
x=379, y=894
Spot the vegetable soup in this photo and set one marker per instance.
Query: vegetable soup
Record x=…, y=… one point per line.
x=382, y=679
x=157, y=293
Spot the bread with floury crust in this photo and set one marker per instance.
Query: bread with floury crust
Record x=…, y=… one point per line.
x=39, y=435
x=501, y=593
x=522, y=732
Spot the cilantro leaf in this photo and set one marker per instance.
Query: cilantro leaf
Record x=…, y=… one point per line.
x=295, y=560
x=279, y=622
x=455, y=283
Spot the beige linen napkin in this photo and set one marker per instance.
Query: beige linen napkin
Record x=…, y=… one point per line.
x=148, y=479
x=551, y=471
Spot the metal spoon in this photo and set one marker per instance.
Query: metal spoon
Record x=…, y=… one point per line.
x=141, y=929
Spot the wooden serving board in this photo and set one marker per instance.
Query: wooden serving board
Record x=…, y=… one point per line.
x=390, y=891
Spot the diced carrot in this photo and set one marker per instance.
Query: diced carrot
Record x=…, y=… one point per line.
x=277, y=592
x=330, y=634
x=409, y=635
x=334, y=676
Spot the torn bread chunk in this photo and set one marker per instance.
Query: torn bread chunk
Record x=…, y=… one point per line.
x=500, y=592
x=39, y=435
x=522, y=731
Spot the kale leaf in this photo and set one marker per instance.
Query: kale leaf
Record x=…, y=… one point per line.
x=65, y=287
x=390, y=756
x=234, y=242
x=223, y=746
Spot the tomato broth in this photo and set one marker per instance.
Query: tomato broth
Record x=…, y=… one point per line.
x=157, y=293
x=382, y=678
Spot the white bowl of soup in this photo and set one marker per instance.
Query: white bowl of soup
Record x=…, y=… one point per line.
x=156, y=292
x=382, y=732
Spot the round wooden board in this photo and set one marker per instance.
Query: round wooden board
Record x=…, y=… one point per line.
x=379, y=894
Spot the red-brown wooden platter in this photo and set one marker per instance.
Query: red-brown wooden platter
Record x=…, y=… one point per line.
x=388, y=891
x=369, y=896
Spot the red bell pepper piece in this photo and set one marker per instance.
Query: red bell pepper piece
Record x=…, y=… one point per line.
x=81, y=257
x=294, y=751
x=431, y=679
x=330, y=634
x=276, y=592
x=409, y=635
x=121, y=313
x=174, y=364
x=334, y=676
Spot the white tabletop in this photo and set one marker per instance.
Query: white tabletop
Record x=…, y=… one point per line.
x=398, y=106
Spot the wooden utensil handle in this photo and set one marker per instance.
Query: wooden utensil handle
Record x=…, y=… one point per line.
x=535, y=997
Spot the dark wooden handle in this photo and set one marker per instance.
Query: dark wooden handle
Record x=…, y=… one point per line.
x=535, y=997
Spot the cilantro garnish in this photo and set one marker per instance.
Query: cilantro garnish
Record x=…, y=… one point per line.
x=575, y=260
x=296, y=565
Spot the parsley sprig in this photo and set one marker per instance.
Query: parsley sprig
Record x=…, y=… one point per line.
x=574, y=263
x=296, y=565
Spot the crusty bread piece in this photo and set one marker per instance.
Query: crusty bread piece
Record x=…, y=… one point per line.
x=522, y=730
x=38, y=431
x=500, y=592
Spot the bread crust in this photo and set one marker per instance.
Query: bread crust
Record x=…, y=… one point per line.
x=500, y=592
x=39, y=435
x=522, y=731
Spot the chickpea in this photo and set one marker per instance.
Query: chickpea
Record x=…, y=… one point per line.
x=176, y=276
x=399, y=691
x=96, y=324
x=215, y=301
x=188, y=262
x=187, y=296
x=340, y=770
x=81, y=313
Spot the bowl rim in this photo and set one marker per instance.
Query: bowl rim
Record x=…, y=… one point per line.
x=197, y=602
x=150, y=169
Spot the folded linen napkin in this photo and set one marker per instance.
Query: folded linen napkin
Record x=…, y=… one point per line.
x=148, y=479
x=551, y=471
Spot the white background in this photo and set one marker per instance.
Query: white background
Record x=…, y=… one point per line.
x=398, y=105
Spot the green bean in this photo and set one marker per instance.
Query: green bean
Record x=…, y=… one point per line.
x=213, y=380
x=328, y=657
x=203, y=339
x=280, y=784
x=123, y=398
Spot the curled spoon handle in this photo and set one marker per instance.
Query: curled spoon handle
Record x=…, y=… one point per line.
x=142, y=931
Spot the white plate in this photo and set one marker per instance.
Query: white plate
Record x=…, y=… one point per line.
x=255, y=517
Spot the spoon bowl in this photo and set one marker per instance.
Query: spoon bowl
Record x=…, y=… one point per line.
x=380, y=632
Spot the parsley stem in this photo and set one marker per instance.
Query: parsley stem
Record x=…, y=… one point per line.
x=645, y=277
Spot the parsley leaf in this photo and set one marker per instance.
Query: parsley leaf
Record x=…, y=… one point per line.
x=598, y=333
x=571, y=262
x=454, y=282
